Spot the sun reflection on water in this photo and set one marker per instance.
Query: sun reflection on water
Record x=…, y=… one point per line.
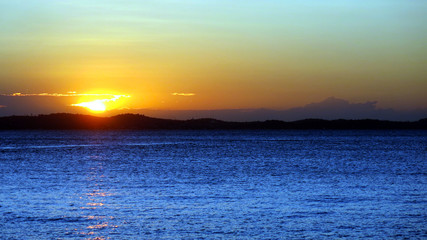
x=94, y=206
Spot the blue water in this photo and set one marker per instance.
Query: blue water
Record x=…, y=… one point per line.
x=213, y=184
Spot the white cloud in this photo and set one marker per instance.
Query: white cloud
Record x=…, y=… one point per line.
x=68, y=94
x=183, y=94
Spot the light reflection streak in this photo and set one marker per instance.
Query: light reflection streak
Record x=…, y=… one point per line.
x=95, y=202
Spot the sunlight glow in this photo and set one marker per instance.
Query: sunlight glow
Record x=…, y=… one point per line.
x=108, y=102
x=95, y=106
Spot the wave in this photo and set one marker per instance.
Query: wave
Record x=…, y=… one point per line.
x=81, y=145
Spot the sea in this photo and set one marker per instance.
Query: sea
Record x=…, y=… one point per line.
x=213, y=184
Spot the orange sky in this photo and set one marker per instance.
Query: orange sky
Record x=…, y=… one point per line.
x=217, y=54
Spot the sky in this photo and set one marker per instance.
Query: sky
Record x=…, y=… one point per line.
x=204, y=55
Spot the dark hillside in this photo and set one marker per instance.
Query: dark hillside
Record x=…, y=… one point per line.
x=141, y=122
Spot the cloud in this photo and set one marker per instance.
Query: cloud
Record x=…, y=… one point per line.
x=68, y=94
x=45, y=103
x=183, y=94
x=330, y=108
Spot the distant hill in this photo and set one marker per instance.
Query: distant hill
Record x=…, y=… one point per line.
x=141, y=122
x=328, y=109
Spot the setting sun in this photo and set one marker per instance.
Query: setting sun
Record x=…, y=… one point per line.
x=94, y=106
x=98, y=103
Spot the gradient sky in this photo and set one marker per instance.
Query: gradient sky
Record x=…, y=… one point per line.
x=222, y=54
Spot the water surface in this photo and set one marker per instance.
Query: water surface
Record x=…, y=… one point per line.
x=213, y=184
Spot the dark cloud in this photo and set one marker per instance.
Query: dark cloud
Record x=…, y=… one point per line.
x=45, y=103
x=330, y=108
x=33, y=105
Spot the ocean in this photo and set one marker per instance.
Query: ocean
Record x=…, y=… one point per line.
x=213, y=184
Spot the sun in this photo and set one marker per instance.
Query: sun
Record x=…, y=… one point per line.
x=100, y=102
x=94, y=106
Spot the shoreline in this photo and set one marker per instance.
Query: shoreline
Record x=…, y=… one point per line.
x=66, y=121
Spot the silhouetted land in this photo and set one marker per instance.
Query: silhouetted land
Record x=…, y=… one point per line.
x=141, y=122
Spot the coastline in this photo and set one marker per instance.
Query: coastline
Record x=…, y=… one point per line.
x=63, y=121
